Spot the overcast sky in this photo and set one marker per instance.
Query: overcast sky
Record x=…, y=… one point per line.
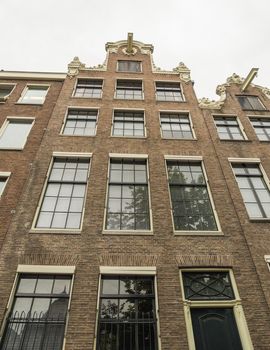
x=214, y=38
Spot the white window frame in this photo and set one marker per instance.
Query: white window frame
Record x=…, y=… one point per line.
x=242, y=129
x=235, y=304
x=7, y=85
x=218, y=232
x=128, y=232
x=178, y=112
x=169, y=81
x=258, y=117
x=61, y=230
x=19, y=119
x=127, y=99
x=87, y=78
x=20, y=101
x=4, y=174
x=79, y=108
x=39, y=269
x=129, y=110
x=264, y=175
x=121, y=71
x=128, y=270
x=259, y=99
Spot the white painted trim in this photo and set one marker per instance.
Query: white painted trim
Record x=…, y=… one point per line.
x=87, y=78
x=129, y=232
x=7, y=85
x=54, y=269
x=179, y=157
x=128, y=155
x=78, y=108
x=240, y=125
x=20, y=100
x=130, y=270
x=218, y=232
x=6, y=175
x=72, y=154
x=235, y=304
x=128, y=99
x=176, y=112
x=244, y=160
x=19, y=119
x=32, y=75
x=129, y=110
x=50, y=230
x=169, y=81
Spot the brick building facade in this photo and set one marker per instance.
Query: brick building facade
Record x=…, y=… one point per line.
x=143, y=220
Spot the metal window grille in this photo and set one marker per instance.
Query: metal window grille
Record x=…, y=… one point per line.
x=228, y=128
x=255, y=193
x=38, y=315
x=251, y=103
x=62, y=205
x=262, y=128
x=175, y=126
x=81, y=122
x=128, y=123
x=168, y=91
x=129, y=89
x=89, y=88
x=128, y=204
x=127, y=317
x=192, y=209
x=207, y=286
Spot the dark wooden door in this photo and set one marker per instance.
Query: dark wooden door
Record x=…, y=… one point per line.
x=215, y=329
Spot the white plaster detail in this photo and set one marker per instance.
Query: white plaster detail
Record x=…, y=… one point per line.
x=206, y=103
x=184, y=72
x=74, y=66
x=138, y=46
x=132, y=53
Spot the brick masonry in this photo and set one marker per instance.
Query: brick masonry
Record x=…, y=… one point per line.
x=241, y=247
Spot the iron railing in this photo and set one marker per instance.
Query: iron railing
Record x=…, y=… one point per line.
x=34, y=332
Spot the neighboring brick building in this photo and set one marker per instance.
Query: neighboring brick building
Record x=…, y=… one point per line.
x=131, y=232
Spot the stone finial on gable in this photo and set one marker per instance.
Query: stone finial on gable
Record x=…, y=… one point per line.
x=74, y=66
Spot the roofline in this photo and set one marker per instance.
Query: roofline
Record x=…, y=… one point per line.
x=32, y=75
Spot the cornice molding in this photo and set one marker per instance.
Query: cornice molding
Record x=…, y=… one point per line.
x=32, y=75
x=206, y=103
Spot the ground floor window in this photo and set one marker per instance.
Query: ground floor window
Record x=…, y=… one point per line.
x=127, y=316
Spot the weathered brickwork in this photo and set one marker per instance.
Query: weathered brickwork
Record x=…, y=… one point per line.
x=241, y=245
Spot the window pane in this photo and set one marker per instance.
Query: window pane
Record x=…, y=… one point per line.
x=15, y=134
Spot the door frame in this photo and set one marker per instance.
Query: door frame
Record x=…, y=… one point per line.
x=235, y=304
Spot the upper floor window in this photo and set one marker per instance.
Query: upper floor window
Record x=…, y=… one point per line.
x=89, y=88
x=63, y=201
x=261, y=127
x=128, y=123
x=191, y=204
x=14, y=132
x=168, y=91
x=251, y=103
x=175, y=125
x=129, y=66
x=254, y=190
x=4, y=176
x=128, y=199
x=39, y=313
x=34, y=94
x=5, y=91
x=81, y=122
x=129, y=89
x=228, y=128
